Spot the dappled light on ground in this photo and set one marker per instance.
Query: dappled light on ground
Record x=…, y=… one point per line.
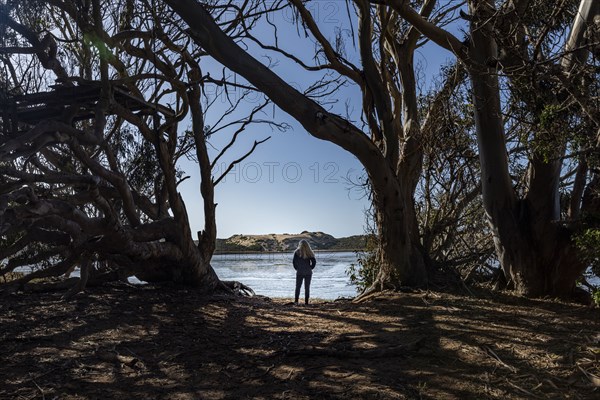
x=123, y=342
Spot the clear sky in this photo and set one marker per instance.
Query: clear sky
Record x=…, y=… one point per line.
x=293, y=182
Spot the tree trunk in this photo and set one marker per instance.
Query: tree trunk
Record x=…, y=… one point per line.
x=536, y=254
x=192, y=273
x=536, y=263
x=207, y=239
x=401, y=260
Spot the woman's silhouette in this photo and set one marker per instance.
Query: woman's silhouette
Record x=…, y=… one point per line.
x=304, y=262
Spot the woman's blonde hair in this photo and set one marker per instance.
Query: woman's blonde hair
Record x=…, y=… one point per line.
x=304, y=250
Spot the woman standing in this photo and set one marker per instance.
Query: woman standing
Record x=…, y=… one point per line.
x=304, y=262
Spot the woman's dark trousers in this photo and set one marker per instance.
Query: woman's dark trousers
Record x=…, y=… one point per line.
x=306, y=278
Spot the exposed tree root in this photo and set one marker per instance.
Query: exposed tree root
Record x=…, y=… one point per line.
x=377, y=290
x=367, y=294
x=236, y=288
x=75, y=285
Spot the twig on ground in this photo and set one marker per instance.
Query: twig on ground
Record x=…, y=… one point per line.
x=40, y=389
x=290, y=374
x=519, y=388
x=269, y=368
x=594, y=379
x=490, y=352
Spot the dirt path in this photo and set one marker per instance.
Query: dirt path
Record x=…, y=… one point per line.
x=149, y=343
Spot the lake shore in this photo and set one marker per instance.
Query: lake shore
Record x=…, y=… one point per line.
x=273, y=275
x=316, y=251
x=147, y=342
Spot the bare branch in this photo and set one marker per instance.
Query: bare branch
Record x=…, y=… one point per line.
x=239, y=160
x=438, y=35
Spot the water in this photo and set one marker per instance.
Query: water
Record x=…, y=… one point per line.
x=592, y=279
x=273, y=275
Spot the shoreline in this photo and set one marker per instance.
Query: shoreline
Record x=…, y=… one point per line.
x=317, y=251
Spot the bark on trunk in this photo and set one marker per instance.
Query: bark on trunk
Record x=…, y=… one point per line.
x=536, y=255
x=193, y=273
x=207, y=238
x=401, y=260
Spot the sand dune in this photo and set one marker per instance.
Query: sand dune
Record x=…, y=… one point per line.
x=287, y=242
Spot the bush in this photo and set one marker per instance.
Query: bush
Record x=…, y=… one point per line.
x=596, y=296
x=363, y=274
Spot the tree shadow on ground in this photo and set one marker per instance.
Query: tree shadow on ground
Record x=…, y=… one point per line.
x=122, y=342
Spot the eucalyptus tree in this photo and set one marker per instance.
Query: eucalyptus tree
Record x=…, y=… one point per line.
x=533, y=240
x=91, y=180
x=388, y=143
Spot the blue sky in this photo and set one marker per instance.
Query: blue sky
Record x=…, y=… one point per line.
x=293, y=182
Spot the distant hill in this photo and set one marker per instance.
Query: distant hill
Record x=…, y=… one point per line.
x=288, y=242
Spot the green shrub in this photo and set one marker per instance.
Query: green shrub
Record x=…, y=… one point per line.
x=596, y=296
x=363, y=274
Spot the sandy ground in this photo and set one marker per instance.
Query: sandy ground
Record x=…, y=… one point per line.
x=122, y=342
